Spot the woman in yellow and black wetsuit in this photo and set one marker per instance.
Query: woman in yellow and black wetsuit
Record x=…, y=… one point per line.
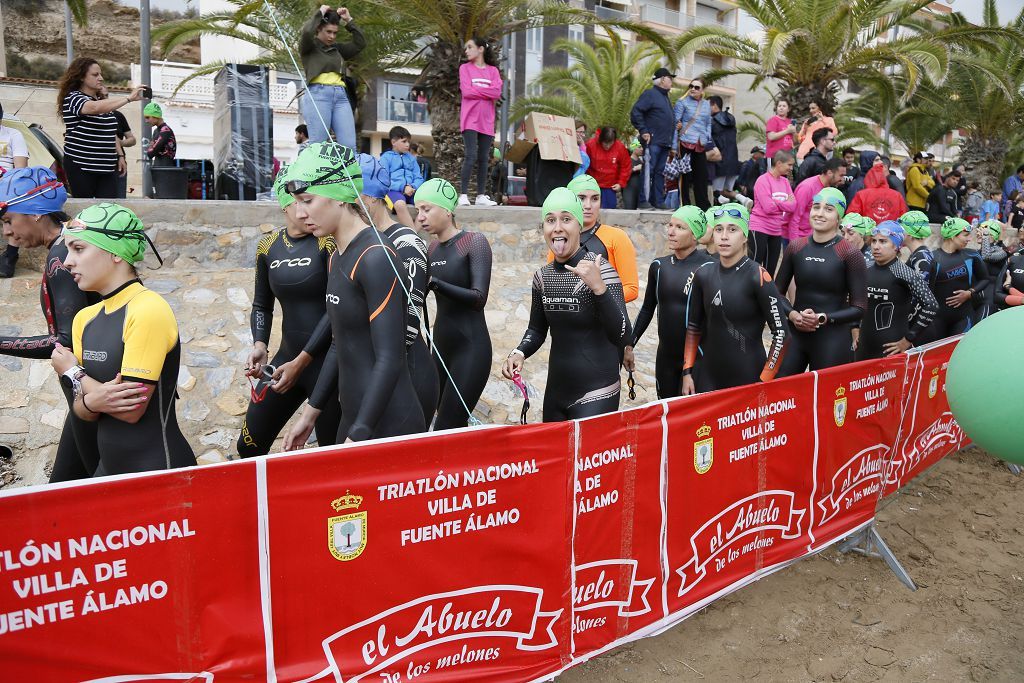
x=123, y=367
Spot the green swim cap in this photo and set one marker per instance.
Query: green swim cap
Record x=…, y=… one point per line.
x=563, y=199
x=584, y=183
x=860, y=224
x=153, y=109
x=953, y=226
x=995, y=228
x=830, y=195
x=329, y=170
x=915, y=224
x=439, y=192
x=693, y=217
x=729, y=213
x=283, y=198
x=112, y=228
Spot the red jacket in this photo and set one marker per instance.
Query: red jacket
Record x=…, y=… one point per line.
x=877, y=200
x=610, y=166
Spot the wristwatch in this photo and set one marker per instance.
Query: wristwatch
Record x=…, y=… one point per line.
x=72, y=379
x=822, y=319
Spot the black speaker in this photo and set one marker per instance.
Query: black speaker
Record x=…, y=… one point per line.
x=243, y=132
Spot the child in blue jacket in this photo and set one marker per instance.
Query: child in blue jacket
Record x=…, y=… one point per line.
x=405, y=173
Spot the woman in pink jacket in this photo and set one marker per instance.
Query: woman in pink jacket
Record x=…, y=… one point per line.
x=480, y=83
x=773, y=201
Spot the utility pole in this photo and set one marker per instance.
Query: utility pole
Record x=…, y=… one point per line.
x=144, y=42
x=69, y=45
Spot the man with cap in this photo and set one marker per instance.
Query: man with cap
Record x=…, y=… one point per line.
x=32, y=211
x=730, y=301
x=654, y=120
x=751, y=170
x=919, y=181
x=916, y=230
x=666, y=285
x=900, y=307
x=578, y=298
x=611, y=242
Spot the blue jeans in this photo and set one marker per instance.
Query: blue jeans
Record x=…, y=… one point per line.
x=332, y=103
x=608, y=198
x=659, y=155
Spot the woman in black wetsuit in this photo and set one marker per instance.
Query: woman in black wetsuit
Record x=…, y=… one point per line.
x=32, y=211
x=578, y=296
x=730, y=300
x=412, y=250
x=956, y=275
x=830, y=291
x=1010, y=283
x=365, y=305
x=460, y=277
x=291, y=268
x=666, y=285
x=124, y=366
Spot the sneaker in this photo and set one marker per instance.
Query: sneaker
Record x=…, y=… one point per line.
x=463, y=200
x=745, y=201
x=722, y=199
x=7, y=265
x=484, y=200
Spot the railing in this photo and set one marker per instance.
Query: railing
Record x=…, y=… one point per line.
x=609, y=13
x=201, y=89
x=403, y=111
x=661, y=15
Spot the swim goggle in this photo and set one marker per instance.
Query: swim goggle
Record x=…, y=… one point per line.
x=718, y=213
x=75, y=225
x=818, y=199
x=30, y=194
x=632, y=384
x=517, y=379
x=300, y=186
x=258, y=389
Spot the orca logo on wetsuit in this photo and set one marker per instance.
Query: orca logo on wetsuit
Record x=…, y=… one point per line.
x=434, y=264
x=291, y=263
x=814, y=258
x=333, y=299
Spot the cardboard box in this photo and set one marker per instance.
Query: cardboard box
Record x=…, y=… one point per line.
x=555, y=135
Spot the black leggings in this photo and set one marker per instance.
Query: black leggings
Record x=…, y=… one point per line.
x=424, y=378
x=766, y=250
x=470, y=367
x=697, y=181
x=558, y=407
x=826, y=347
x=265, y=420
x=89, y=185
x=77, y=454
x=478, y=149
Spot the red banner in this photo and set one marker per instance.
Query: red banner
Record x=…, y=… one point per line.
x=498, y=554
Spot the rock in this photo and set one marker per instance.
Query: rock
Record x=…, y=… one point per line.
x=10, y=330
x=233, y=403
x=879, y=657
x=217, y=380
x=13, y=399
x=211, y=457
x=229, y=238
x=11, y=363
x=193, y=409
x=13, y=425
x=185, y=379
x=238, y=297
x=39, y=372
x=163, y=286
x=215, y=343
x=200, y=296
x=201, y=359
x=217, y=327
x=522, y=313
x=495, y=319
x=55, y=418
x=185, y=335
x=242, y=319
x=266, y=227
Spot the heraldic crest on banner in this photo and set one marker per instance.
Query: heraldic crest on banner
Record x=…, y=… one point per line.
x=346, y=534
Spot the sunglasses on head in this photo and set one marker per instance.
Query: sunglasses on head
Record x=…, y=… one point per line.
x=735, y=213
x=75, y=226
x=30, y=194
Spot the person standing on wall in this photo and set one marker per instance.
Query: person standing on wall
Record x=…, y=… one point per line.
x=13, y=154
x=773, y=202
x=779, y=130
x=654, y=120
x=693, y=132
x=326, y=106
x=727, y=169
x=815, y=122
x=92, y=160
x=480, y=83
x=919, y=181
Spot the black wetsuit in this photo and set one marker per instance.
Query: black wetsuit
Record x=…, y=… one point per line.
x=60, y=298
x=1015, y=269
x=666, y=292
x=460, y=276
x=588, y=334
x=731, y=306
x=292, y=271
x=949, y=273
x=920, y=261
x=367, y=362
x=133, y=332
x=412, y=250
x=994, y=255
x=829, y=279
x=900, y=306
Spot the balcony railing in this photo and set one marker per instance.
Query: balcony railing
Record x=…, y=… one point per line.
x=609, y=13
x=402, y=111
x=665, y=17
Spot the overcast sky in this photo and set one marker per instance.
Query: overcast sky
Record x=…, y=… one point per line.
x=970, y=8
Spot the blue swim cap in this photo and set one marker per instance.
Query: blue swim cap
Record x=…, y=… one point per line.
x=893, y=230
x=34, y=191
x=376, y=179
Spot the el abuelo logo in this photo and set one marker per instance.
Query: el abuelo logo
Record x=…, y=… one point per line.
x=839, y=407
x=703, y=450
x=346, y=534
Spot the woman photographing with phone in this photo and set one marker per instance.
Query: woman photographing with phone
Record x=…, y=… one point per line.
x=816, y=121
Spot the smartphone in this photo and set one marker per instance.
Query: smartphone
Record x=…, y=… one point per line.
x=147, y=92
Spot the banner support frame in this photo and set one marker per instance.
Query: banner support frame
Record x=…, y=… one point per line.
x=869, y=542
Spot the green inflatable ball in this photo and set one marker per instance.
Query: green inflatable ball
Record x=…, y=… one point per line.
x=980, y=385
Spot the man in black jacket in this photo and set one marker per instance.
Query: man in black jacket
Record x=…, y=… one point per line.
x=814, y=163
x=943, y=201
x=726, y=172
x=654, y=120
x=752, y=169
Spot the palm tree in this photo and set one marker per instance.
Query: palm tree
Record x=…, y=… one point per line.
x=810, y=48
x=79, y=10
x=423, y=33
x=599, y=88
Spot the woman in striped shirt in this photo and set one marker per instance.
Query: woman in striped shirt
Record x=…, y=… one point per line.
x=93, y=158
